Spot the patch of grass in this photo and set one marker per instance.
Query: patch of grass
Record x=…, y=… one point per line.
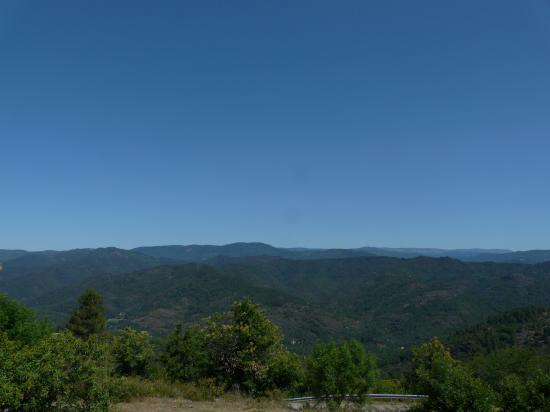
x=125, y=389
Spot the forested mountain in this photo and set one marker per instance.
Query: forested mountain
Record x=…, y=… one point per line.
x=387, y=303
x=522, y=327
x=6, y=254
x=36, y=273
x=201, y=253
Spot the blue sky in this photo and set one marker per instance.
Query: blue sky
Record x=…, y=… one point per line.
x=297, y=123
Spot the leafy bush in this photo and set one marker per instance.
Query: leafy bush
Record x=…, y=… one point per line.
x=133, y=353
x=389, y=386
x=449, y=385
x=340, y=369
x=185, y=357
x=286, y=371
x=241, y=349
x=58, y=373
x=514, y=396
x=522, y=362
x=246, y=350
x=518, y=395
x=19, y=323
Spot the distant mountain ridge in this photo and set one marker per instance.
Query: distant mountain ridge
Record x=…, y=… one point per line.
x=6, y=254
x=203, y=253
x=527, y=257
x=462, y=254
x=35, y=273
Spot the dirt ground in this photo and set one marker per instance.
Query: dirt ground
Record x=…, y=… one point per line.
x=224, y=405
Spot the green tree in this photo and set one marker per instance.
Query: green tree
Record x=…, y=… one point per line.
x=19, y=323
x=133, y=353
x=185, y=355
x=514, y=396
x=244, y=346
x=449, y=385
x=539, y=392
x=336, y=370
x=89, y=318
x=286, y=371
x=520, y=395
x=520, y=361
x=60, y=372
x=10, y=392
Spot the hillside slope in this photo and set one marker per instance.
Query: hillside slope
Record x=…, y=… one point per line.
x=37, y=273
x=386, y=303
x=522, y=327
x=9, y=254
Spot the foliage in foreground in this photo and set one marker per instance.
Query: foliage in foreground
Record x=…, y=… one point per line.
x=86, y=368
x=60, y=372
x=449, y=385
x=133, y=353
x=241, y=349
x=336, y=370
x=19, y=323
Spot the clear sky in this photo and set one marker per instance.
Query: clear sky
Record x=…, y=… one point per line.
x=297, y=123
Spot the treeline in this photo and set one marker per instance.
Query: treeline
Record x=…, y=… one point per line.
x=86, y=368
x=524, y=327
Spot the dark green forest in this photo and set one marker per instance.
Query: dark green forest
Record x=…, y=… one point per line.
x=110, y=325
x=388, y=304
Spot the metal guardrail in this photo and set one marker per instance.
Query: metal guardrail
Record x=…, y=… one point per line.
x=394, y=396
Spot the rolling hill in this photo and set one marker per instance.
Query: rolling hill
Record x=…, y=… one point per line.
x=527, y=327
x=6, y=254
x=36, y=273
x=388, y=304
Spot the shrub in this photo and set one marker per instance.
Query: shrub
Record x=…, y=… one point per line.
x=538, y=390
x=185, y=356
x=514, y=396
x=389, y=386
x=133, y=353
x=241, y=350
x=449, y=385
x=520, y=361
x=19, y=323
x=246, y=350
x=336, y=370
x=60, y=372
x=286, y=371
